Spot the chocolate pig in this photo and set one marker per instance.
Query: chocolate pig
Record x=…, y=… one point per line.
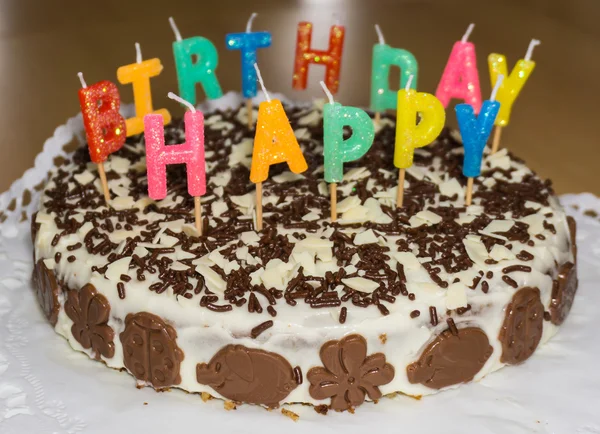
x=248, y=375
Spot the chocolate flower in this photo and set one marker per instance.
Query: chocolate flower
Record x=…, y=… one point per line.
x=46, y=289
x=89, y=312
x=348, y=374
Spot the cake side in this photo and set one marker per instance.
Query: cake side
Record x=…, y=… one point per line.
x=376, y=303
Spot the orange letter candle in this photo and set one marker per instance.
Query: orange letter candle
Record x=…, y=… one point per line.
x=331, y=58
x=274, y=143
x=139, y=74
x=104, y=126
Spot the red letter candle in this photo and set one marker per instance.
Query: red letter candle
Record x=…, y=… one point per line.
x=460, y=78
x=305, y=55
x=191, y=153
x=104, y=126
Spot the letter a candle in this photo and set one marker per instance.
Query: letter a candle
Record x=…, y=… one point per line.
x=409, y=134
x=510, y=87
x=337, y=150
x=384, y=57
x=475, y=131
x=190, y=72
x=104, y=126
x=248, y=43
x=274, y=142
x=461, y=78
x=191, y=153
x=305, y=55
x=139, y=74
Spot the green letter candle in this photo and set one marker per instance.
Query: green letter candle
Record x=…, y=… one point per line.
x=199, y=70
x=384, y=57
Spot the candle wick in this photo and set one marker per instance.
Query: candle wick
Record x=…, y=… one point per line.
x=409, y=82
x=262, y=83
x=138, y=53
x=81, y=79
x=496, y=87
x=180, y=100
x=336, y=20
x=250, y=21
x=327, y=92
x=534, y=43
x=379, y=34
x=465, y=37
x=175, y=29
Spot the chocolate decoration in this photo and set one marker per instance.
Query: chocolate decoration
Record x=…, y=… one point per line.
x=46, y=289
x=523, y=326
x=89, y=312
x=248, y=375
x=573, y=232
x=451, y=358
x=348, y=375
x=563, y=293
x=150, y=350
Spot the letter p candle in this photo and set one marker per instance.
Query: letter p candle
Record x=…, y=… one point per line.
x=191, y=153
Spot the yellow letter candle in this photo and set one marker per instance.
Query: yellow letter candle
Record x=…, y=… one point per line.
x=139, y=74
x=510, y=87
x=274, y=143
x=409, y=134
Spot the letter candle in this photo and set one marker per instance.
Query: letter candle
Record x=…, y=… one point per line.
x=248, y=43
x=191, y=153
x=139, y=74
x=305, y=55
x=190, y=72
x=475, y=131
x=409, y=134
x=337, y=151
x=274, y=142
x=510, y=87
x=104, y=126
x=384, y=57
x=461, y=78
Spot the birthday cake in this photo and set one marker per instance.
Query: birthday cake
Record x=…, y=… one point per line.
x=382, y=301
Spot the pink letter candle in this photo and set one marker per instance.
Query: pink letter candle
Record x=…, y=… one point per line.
x=460, y=78
x=191, y=153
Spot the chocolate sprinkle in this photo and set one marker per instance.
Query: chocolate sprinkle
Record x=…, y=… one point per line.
x=256, y=331
x=433, y=315
x=452, y=326
x=298, y=375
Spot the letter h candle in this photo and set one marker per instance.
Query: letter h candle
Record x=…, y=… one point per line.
x=191, y=153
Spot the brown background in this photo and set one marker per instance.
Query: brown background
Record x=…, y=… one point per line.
x=43, y=43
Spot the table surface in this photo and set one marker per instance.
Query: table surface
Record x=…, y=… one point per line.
x=44, y=44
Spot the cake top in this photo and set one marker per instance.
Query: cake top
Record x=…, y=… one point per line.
x=432, y=254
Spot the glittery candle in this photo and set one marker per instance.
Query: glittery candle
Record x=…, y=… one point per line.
x=139, y=74
x=384, y=57
x=512, y=84
x=196, y=60
x=191, y=153
x=460, y=79
x=248, y=43
x=409, y=134
x=274, y=142
x=330, y=58
x=475, y=131
x=338, y=151
x=104, y=126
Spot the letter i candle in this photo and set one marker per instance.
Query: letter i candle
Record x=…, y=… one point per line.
x=338, y=151
x=409, y=134
x=475, y=131
x=511, y=86
x=104, y=126
x=158, y=156
x=248, y=43
x=139, y=74
x=274, y=142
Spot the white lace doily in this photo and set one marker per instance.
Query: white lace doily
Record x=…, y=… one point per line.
x=45, y=387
